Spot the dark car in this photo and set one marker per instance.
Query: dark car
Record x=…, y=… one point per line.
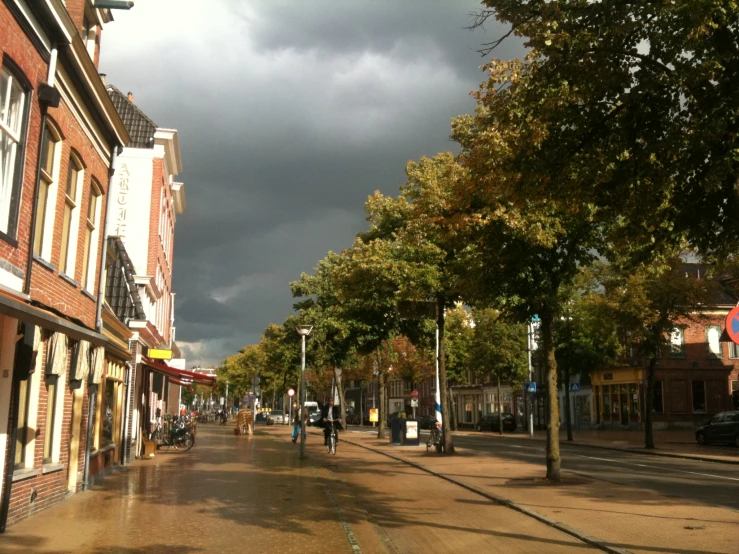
x=314, y=419
x=427, y=421
x=721, y=428
x=489, y=422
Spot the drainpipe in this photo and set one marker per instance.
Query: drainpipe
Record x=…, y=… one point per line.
x=124, y=433
x=47, y=96
x=106, y=230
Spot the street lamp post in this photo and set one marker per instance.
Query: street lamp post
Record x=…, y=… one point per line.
x=303, y=331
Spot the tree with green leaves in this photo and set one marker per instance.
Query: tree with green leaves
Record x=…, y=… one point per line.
x=649, y=304
x=419, y=238
x=629, y=107
x=498, y=352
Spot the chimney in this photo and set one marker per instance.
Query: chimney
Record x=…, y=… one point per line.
x=130, y=97
x=102, y=77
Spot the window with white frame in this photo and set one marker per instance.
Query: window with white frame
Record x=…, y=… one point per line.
x=92, y=222
x=13, y=120
x=734, y=351
x=713, y=339
x=50, y=157
x=71, y=217
x=677, y=343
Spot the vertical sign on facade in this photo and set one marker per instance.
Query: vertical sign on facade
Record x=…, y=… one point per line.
x=122, y=207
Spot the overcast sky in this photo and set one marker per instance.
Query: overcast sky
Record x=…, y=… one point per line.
x=290, y=113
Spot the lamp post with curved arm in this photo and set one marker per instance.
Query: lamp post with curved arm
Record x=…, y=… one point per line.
x=303, y=331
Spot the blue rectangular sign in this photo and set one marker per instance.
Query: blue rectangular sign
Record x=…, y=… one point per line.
x=531, y=388
x=574, y=387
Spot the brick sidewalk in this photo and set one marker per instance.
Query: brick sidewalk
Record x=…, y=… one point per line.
x=630, y=518
x=253, y=494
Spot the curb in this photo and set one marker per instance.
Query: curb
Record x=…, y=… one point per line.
x=588, y=539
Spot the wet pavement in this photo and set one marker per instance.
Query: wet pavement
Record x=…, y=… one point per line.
x=253, y=494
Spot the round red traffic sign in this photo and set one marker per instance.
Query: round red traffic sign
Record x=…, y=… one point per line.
x=414, y=394
x=732, y=324
x=291, y=392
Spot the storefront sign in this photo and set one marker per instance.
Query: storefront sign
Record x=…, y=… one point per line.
x=373, y=415
x=411, y=429
x=156, y=354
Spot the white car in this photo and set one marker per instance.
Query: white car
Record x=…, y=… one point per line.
x=276, y=416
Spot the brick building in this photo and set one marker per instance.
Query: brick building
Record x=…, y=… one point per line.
x=59, y=134
x=147, y=203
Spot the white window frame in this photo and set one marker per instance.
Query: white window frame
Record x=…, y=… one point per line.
x=733, y=351
x=74, y=224
x=9, y=220
x=88, y=281
x=672, y=343
x=714, y=355
x=50, y=215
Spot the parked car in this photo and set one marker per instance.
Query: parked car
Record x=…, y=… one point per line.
x=314, y=419
x=721, y=428
x=427, y=421
x=275, y=416
x=261, y=417
x=489, y=422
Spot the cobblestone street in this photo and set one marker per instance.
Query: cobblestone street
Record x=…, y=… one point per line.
x=240, y=494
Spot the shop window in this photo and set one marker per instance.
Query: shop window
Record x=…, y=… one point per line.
x=735, y=394
x=677, y=343
x=22, y=431
x=658, y=402
x=13, y=123
x=108, y=412
x=606, y=403
x=713, y=336
x=634, y=408
x=51, y=400
x=699, y=396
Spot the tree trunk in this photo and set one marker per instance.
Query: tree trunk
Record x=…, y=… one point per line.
x=447, y=433
x=648, y=433
x=381, y=415
x=500, y=409
x=550, y=363
x=568, y=420
x=340, y=388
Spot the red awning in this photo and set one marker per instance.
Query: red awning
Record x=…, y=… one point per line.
x=180, y=376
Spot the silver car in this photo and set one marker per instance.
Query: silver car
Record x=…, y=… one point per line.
x=276, y=416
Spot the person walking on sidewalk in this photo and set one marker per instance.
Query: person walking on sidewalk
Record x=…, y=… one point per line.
x=330, y=417
x=296, y=425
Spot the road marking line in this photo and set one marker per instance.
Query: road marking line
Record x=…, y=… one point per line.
x=658, y=467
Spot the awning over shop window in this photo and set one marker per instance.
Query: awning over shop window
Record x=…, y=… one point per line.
x=180, y=376
x=56, y=361
x=82, y=370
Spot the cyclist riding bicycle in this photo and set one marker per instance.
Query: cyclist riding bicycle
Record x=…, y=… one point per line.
x=330, y=418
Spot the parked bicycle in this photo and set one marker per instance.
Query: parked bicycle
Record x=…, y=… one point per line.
x=173, y=433
x=436, y=439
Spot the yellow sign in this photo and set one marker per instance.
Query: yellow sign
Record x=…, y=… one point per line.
x=155, y=354
x=373, y=415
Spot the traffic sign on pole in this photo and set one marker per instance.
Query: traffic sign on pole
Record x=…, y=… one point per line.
x=574, y=387
x=732, y=324
x=531, y=388
x=291, y=392
x=414, y=394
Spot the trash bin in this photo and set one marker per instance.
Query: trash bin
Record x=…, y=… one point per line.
x=395, y=430
x=411, y=435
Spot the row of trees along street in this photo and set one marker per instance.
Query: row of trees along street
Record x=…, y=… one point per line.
x=588, y=172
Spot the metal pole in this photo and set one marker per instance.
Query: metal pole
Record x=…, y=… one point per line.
x=226, y=406
x=529, y=400
x=302, y=393
x=438, y=388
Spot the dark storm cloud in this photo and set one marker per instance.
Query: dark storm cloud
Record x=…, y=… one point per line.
x=290, y=114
